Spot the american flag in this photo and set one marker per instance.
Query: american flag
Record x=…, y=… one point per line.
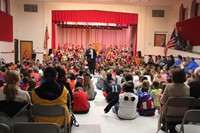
x=46, y=38
x=171, y=42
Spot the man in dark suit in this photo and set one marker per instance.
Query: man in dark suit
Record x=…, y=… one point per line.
x=91, y=55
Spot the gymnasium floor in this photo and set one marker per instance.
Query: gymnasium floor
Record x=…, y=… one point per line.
x=96, y=121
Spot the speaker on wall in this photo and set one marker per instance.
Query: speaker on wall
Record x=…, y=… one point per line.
x=139, y=54
x=50, y=51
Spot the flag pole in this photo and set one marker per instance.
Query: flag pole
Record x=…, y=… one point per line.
x=46, y=42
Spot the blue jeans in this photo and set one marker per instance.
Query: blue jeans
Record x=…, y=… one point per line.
x=97, y=85
x=116, y=108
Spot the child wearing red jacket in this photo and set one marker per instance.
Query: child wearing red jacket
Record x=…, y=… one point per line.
x=81, y=104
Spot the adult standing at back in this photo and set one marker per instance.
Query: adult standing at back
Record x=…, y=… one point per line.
x=91, y=55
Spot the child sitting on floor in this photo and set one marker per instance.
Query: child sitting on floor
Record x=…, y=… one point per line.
x=112, y=91
x=155, y=92
x=146, y=105
x=31, y=84
x=81, y=104
x=125, y=105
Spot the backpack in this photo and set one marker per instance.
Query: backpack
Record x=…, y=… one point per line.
x=146, y=104
x=74, y=121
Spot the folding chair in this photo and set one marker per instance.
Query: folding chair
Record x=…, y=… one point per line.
x=190, y=116
x=69, y=101
x=35, y=127
x=50, y=111
x=197, y=104
x=183, y=103
x=30, y=94
x=4, y=128
x=12, y=112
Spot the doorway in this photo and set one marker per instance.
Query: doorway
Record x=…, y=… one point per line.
x=159, y=39
x=26, y=46
x=16, y=50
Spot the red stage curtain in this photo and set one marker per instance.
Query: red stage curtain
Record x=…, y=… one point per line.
x=94, y=16
x=63, y=16
x=135, y=46
x=104, y=37
x=6, y=27
x=190, y=30
x=53, y=44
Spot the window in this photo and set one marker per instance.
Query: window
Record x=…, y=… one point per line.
x=5, y=6
x=194, y=9
x=197, y=9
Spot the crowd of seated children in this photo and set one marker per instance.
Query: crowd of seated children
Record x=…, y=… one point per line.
x=117, y=67
x=125, y=104
x=186, y=63
x=81, y=104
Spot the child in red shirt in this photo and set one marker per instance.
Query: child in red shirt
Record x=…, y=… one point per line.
x=25, y=83
x=81, y=104
x=72, y=81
